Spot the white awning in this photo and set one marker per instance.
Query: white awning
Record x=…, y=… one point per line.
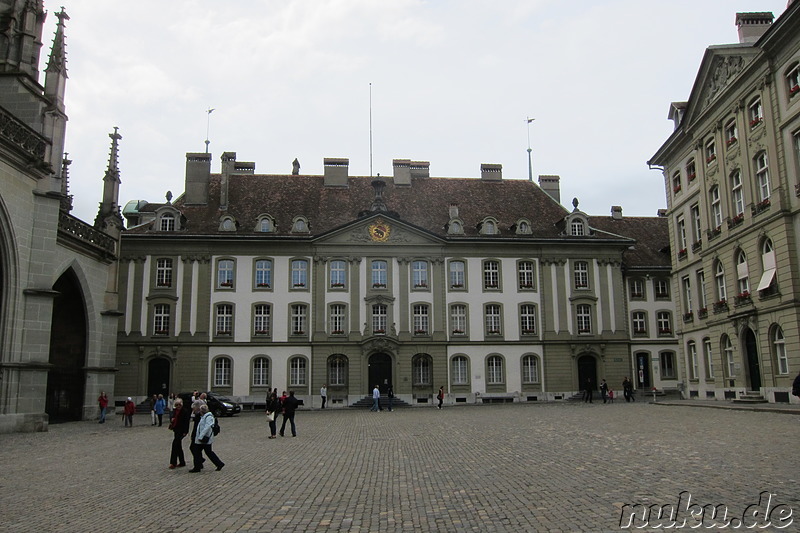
x=766, y=279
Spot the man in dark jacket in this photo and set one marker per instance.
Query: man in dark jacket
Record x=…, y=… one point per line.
x=290, y=404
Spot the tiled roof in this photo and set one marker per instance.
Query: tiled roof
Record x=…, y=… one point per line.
x=650, y=233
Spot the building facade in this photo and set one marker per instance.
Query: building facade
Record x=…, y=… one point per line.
x=733, y=190
x=58, y=308
x=486, y=287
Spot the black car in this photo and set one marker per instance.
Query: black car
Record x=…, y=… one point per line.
x=218, y=405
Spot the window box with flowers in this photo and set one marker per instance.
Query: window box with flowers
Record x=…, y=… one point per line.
x=529, y=332
x=640, y=331
x=379, y=332
x=584, y=330
x=692, y=177
x=226, y=284
x=378, y=285
x=262, y=285
x=761, y=206
x=665, y=331
x=714, y=233
x=710, y=159
x=697, y=246
x=730, y=141
x=493, y=332
x=422, y=285
x=688, y=317
x=420, y=332
x=223, y=333
x=337, y=332
x=682, y=253
x=676, y=189
x=261, y=332
x=337, y=285
x=742, y=298
x=457, y=286
x=458, y=332
x=702, y=312
x=720, y=306
x=735, y=221
x=794, y=90
x=526, y=285
x=161, y=332
x=298, y=333
x=756, y=121
x=299, y=285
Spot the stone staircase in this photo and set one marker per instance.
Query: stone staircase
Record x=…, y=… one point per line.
x=751, y=397
x=366, y=403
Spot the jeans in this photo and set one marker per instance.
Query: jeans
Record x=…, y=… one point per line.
x=102, y=415
x=376, y=406
x=290, y=418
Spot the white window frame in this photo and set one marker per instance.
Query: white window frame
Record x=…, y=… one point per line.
x=299, y=319
x=262, y=319
x=530, y=370
x=222, y=371
x=263, y=274
x=458, y=319
x=337, y=319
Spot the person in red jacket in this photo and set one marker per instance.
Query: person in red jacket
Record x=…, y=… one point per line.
x=130, y=409
x=102, y=401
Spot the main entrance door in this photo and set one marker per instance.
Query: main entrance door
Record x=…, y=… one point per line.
x=158, y=376
x=380, y=372
x=643, y=370
x=753, y=367
x=587, y=369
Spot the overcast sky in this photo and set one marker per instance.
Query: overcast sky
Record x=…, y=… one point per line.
x=453, y=82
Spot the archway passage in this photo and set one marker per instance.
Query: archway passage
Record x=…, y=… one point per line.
x=753, y=368
x=380, y=372
x=66, y=378
x=158, y=376
x=587, y=369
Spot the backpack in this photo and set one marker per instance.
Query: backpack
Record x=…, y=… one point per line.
x=215, y=429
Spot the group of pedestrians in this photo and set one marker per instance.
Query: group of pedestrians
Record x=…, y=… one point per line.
x=606, y=392
x=202, y=423
x=285, y=405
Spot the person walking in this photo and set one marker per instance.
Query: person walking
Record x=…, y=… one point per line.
x=290, y=404
x=440, y=397
x=102, y=401
x=587, y=391
x=128, y=411
x=390, y=394
x=604, y=390
x=376, y=399
x=273, y=409
x=627, y=390
x=204, y=441
x=323, y=393
x=160, y=407
x=153, y=400
x=180, y=428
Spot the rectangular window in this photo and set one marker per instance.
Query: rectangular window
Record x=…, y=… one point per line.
x=494, y=375
x=527, y=319
x=460, y=375
x=583, y=315
x=338, y=271
x=525, y=275
x=737, y=194
x=709, y=357
x=716, y=208
x=299, y=274
x=337, y=371
x=161, y=314
x=731, y=133
x=164, y=273
x=457, y=274
x=261, y=372
x=337, y=319
x=420, y=317
x=664, y=323
x=225, y=273
x=224, y=319
x=222, y=372
x=299, y=317
x=676, y=182
x=681, y=228
x=729, y=358
x=493, y=319
x=697, y=226
x=530, y=369
x=639, y=321
x=693, y=365
x=261, y=319
x=637, y=288
x=687, y=294
x=263, y=274
x=458, y=319
x=756, y=113
x=491, y=275
x=668, y=365
x=379, y=319
x=691, y=172
x=662, y=288
x=581, y=274
x=701, y=289
x=379, y=274
x=419, y=273
x=297, y=372
x=762, y=177
x=793, y=81
x=711, y=151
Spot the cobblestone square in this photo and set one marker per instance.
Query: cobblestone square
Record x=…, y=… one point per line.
x=511, y=467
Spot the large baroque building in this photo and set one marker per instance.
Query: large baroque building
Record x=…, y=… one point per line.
x=732, y=175
x=485, y=286
x=58, y=308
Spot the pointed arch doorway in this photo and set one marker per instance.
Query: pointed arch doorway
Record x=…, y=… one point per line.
x=380, y=371
x=66, y=378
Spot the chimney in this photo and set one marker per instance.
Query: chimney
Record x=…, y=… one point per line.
x=198, y=172
x=662, y=212
x=491, y=171
x=550, y=185
x=402, y=171
x=753, y=25
x=420, y=169
x=453, y=211
x=336, y=171
x=616, y=212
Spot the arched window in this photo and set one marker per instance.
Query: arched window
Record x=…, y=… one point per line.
x=729, y=356
x=459, y=370
x=691, y=352
x=716, y=208
x=577, y=228
x=167, y=222
x=737, y=194
x=779, y=349
x=421, y=370
x=719, y=282
x=742, y=275
x=222, y=371
x=337, y=370
x=297, y=372
x=495, y=374
x=260, y=372
x=762, y=177
x=530, y=369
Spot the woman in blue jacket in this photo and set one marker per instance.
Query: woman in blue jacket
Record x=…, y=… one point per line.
x=203, y=441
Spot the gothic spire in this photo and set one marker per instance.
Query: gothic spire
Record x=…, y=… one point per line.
x=109, y=216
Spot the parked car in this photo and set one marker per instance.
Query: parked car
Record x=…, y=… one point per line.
x=219, y=405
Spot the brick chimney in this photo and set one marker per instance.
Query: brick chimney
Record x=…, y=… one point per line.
x=753, y=25
x=336, y=171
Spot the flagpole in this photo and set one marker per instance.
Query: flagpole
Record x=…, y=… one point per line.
x=208, y=125
x=530, y=162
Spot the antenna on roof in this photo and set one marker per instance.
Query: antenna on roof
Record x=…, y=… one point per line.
x=208, y=125
x=370, y=129
x=530, y=163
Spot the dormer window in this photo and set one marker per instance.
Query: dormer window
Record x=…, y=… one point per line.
x=167, y=222
x=577, y=228
x=300, y=225
x=523, y=227
x=489, y=227
x=227, y=224
x=265, y=225
x=455, y=227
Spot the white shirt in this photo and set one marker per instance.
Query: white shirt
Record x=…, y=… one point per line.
x=376, y=393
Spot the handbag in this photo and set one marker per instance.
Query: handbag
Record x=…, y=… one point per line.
x=271, y=417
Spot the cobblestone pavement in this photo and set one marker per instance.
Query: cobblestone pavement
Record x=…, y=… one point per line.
x=512, y=467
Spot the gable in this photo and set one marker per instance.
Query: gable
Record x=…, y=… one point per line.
x=379, y=230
